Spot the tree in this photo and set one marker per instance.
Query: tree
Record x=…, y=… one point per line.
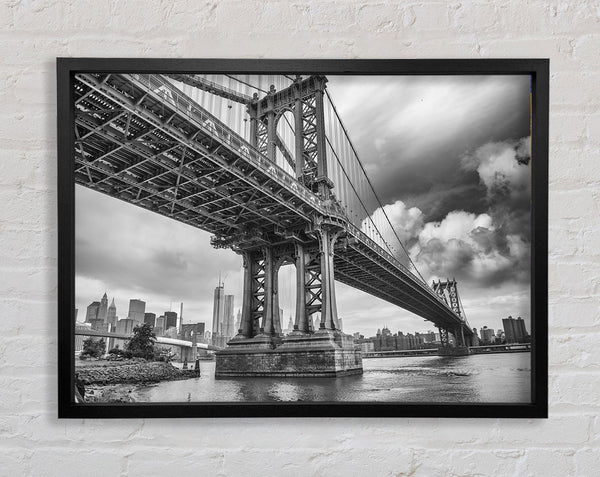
x=162, y=353
x=141, y=344
x=92, y=348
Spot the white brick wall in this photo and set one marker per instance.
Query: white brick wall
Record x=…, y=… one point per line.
x=33, y=442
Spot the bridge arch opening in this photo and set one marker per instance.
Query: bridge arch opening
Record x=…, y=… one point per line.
x=285, y=150
x=286, y=294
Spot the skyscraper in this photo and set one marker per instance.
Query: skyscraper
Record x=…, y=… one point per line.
x=238, y=321
x=514, y=330
x=228, y=329
x=92, y=312
x=218, y=310
x=111, y=314
x=125, y=326
x=103, y=309
x=159, y=326
x=290, y=326
x=487, y=335
x=475, y=338
x=170, y=319
x=150, y=318
x=317, y=324
x=137, y=308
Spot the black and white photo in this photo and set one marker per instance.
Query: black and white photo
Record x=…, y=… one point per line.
x=302, y=237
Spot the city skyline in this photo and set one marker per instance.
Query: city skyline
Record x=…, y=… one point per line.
x=372, y=333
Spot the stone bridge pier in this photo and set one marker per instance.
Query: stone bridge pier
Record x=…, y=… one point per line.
x=259, y=348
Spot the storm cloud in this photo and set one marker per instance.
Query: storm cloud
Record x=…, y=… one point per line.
x=483, y=251
x=412, y=132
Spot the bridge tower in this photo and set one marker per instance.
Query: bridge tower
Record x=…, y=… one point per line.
x=258, y=349
x=448, y=290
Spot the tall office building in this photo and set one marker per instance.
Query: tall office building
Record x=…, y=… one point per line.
x=150, y=318
x=123, y=327
x=514, y=330
x=79, y=338
x=290, y=326
x=238, y=321
x=111, y=314
x=137, y=308
x=228, y=328
x=103, y=309
x=159, y=326
x=93, y=317
x=487, y=335
x=475, y=338
x=218, y=310
x=92, y=311
x=170, y=319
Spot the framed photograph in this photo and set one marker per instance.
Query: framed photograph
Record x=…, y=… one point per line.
x=302, y=238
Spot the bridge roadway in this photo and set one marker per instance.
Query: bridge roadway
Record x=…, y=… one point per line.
x=140, y=139
x=159, y=339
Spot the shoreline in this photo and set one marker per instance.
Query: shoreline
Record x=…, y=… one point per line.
x=119, y=381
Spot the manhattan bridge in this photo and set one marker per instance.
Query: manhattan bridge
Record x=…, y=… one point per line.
x=264, y=164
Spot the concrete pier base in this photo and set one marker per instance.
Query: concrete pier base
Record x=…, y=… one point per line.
x=321, y=354
x=454, y=351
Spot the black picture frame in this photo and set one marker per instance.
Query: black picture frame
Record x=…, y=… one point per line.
x=539, y=71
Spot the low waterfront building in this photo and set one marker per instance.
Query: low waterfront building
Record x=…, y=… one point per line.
x=514, y=330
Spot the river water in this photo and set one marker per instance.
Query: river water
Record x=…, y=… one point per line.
x=484, y=378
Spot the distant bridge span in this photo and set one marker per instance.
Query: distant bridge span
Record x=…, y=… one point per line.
x=159, y=339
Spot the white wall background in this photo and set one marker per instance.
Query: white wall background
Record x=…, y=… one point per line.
x=34, y=442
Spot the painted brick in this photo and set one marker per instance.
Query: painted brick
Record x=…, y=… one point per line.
x=572, y=313
x=575, y=388
x=547, y=462
x=574, y=204
x=587, y=461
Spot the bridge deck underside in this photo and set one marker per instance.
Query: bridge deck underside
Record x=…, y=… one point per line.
x=133, y=146
x=361, y=267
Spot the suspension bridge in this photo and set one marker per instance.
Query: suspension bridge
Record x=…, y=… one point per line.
x=264, y=164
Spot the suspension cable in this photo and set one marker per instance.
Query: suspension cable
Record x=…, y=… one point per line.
x=358, y=196
x=247, y=84
x=371, y=185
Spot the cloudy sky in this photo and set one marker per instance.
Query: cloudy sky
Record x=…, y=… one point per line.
x=449, y=159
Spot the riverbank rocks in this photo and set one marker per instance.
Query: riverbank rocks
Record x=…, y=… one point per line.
x=137, y=372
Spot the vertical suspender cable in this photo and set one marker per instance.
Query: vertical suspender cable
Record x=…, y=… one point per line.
x=371, y=185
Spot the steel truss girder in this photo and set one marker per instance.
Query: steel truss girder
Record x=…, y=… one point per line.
x=362, y=270
x=154, y=193
x=266, y=180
